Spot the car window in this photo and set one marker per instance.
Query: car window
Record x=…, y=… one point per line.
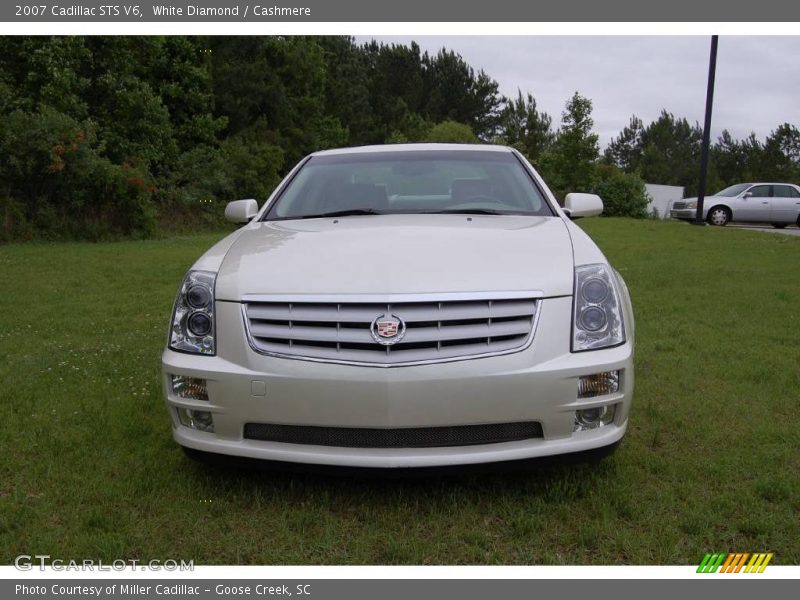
x=407, y=182
x=733, y=190
x=785, y=191
x=760, y=191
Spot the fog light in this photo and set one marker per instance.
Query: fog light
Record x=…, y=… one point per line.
x=200, y=420
x=190, y=388
x=598, y=384
x=592, y=418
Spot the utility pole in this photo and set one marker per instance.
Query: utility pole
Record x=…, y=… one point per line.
x=712, y=70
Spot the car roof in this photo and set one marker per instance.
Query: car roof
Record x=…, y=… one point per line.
x=768, y=183
x=413, y=148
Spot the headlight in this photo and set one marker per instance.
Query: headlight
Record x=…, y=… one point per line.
x=692, y=204
x=597, y=314
x=192, y=327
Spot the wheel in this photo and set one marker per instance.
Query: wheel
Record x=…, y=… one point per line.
x=719, y=215
x=779, y=225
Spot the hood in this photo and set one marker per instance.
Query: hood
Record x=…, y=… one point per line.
x=397, y=254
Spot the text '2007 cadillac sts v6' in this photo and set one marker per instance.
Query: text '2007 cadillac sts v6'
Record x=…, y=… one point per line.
x=402, y=306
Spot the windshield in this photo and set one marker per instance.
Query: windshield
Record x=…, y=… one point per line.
x=733, y=190
x=405, y=182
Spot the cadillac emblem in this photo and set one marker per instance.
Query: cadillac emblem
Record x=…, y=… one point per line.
x=388, y=329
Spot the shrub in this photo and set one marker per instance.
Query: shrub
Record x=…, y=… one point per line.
x=252, y=167
x=623, y=194
x=450, y=131
x=56, y=184
x=206, y=178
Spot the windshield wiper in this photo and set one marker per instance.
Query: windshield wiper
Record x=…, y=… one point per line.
x=467, y=211
x=369, y=211
x=337, y=213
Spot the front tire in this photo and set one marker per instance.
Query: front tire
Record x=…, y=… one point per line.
x=719, y=215
x=779, y=225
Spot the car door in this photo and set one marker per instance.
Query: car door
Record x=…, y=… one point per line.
x=785, y=204
x=754, y=204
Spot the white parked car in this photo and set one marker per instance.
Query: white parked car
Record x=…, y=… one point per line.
x=776, y=203
x=402, y=306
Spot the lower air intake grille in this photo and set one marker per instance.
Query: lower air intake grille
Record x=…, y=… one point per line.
x=412, y=437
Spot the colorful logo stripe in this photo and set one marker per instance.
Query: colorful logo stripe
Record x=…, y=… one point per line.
x=735, y=562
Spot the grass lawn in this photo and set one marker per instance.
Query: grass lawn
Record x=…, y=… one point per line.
x=711, y=460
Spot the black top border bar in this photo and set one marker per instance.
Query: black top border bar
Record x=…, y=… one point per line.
x=442, y=11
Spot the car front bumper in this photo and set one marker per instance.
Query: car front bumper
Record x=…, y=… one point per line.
x=683, y=213
x=539, y=383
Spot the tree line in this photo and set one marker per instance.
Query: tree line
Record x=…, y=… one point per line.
x=115, y=136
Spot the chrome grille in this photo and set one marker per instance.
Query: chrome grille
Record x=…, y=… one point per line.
x=677, y=205
x=435, y=330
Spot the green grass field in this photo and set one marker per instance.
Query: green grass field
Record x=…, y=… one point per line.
x=711, y=460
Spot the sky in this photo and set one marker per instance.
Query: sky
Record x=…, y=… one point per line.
x=757, y=81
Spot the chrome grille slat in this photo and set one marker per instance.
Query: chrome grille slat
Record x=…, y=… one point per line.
x=280, y=311
x=397, y=356
x=465, y=332
x=434, y=330
x=299, y=333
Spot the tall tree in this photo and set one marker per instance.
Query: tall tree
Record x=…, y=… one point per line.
x=571, y=165
x=455, y=93
x=625, y=150
x=523, y=126
x=780, y=160
x=731, y=157
x=277, y=87
x=347, y=89
x=671, y=151
x=667, y=151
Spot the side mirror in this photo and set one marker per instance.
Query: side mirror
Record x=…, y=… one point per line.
x=241, y=211
x=582, y=205
x=748, y=195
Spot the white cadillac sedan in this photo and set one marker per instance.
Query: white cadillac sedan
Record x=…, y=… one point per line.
x=411, y=305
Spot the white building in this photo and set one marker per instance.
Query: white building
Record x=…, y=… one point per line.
x=661, y=198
